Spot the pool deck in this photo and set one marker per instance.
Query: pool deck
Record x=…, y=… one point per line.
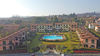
x=64, y=38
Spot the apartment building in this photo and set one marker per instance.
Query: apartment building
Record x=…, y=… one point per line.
x=97, y=28
x=59, y=27
x=98, y=21
x=10, y=42
x=88, y=40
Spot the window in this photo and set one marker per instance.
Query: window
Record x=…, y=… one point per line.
x=85, y=45
x=4, y=42
x=92, y=41
x=92, y=46
x=10, y=47
x=16, y=44
x=10, y=42
x=4, y=47
x=23, y=38
x=86, y=40
x=23, y=33
x=16, y=38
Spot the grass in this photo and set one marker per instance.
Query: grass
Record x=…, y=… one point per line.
x=71, y=43
x=35, y=42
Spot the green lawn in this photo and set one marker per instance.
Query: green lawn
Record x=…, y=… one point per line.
x=35, y=42
x=71, y=43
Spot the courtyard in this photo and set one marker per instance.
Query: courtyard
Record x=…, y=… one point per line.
x=65, y=46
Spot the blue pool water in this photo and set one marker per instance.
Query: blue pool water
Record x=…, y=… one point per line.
x=52, y=37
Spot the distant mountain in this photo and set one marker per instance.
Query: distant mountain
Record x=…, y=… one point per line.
x=89, y=14
x=63, y=16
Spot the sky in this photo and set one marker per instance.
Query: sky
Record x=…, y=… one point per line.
x=10, y=8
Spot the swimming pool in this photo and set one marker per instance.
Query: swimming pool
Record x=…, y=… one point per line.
x=52, y=37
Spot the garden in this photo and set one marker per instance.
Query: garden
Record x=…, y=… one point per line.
x=67, y=46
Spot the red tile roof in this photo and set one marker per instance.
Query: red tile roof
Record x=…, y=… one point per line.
x=13, y=34
x=86, y=34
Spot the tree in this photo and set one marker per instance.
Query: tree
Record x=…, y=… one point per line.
x=6, y=33
x=0, y=35
x=1, y=27
x=18, y=21
x=22, y=26
x=55, y=19
x=73, y=15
